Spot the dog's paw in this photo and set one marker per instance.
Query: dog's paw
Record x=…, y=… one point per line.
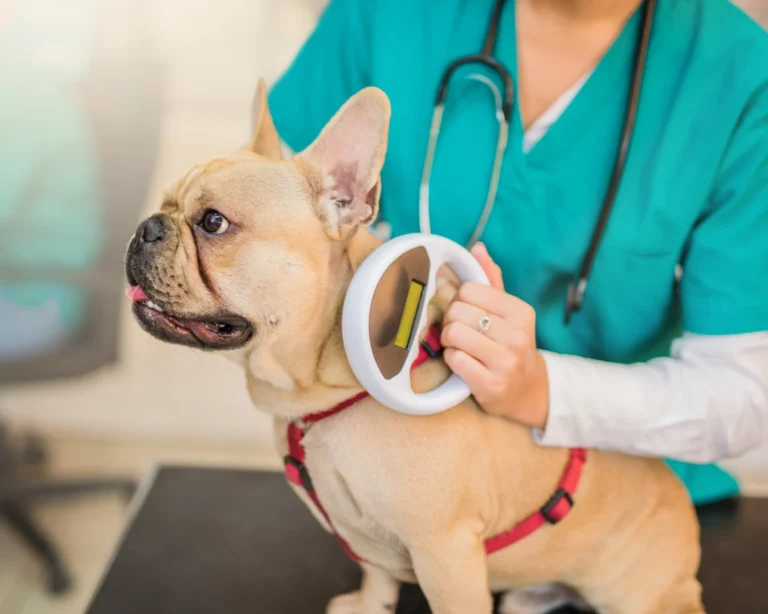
x=446, y=289
x=352, y=603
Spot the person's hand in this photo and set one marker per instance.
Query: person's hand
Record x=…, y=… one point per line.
x=501, y=366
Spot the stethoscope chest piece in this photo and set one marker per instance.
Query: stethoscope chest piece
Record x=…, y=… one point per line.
x=385, y=310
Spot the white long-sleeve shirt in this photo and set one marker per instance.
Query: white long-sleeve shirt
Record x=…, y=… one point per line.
x=708, y=401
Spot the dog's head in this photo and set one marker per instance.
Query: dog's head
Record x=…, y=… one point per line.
x=248, y=243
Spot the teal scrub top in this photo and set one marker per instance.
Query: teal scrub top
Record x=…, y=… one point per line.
x=694, y=193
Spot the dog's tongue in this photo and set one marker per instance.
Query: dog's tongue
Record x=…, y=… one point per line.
x=136, y=294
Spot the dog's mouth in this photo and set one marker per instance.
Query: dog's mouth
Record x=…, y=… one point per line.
x=215, y=333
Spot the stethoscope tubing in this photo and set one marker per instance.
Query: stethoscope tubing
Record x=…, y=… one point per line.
x=576, y=288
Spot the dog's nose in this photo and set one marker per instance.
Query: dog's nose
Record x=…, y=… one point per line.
x=151, y=230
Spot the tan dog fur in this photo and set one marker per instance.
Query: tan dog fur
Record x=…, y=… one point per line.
x=416, y=496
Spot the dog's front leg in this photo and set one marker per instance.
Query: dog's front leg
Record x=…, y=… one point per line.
x=377, y=595
x=453, y=573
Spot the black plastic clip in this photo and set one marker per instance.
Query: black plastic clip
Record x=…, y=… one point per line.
x=554, y=500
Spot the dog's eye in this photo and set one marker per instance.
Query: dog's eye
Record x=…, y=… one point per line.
x=214, y=223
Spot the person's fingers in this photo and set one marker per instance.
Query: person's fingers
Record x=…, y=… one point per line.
x=499, y=330
x=492, y=270
x=495, y=301
x=460, y=336
x=467, y=368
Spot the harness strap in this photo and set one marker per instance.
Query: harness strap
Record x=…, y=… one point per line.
x=552, y=512
x=296, y=473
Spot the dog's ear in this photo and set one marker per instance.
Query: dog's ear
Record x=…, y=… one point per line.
x=349, y=154
x=264, y=140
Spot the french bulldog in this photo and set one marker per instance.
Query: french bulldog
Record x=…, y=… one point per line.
x=250, y=255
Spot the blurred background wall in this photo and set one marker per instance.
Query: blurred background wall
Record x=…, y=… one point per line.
x=173, y=84
x=181, y=75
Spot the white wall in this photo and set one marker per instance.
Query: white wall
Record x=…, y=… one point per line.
x=217, y=49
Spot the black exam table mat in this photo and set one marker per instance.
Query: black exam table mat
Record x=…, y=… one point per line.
x=220, y=541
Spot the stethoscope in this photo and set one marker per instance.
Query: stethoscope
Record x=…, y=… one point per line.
x=503, y=101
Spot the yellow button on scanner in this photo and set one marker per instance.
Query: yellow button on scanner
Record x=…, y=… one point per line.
x=408, y=320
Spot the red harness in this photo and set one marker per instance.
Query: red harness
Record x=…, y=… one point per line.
x=553, y=511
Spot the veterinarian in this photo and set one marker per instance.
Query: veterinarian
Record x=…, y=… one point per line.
x=667, y=354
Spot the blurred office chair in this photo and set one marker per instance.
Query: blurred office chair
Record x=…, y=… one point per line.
x=122, y=94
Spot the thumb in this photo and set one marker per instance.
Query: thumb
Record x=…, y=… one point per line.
x=491, y=269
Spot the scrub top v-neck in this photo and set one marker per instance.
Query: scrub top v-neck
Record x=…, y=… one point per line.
x=695, y=185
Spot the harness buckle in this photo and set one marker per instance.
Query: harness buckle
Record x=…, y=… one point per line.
x=550, y=512
x=431, y=352
x=293, y=465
